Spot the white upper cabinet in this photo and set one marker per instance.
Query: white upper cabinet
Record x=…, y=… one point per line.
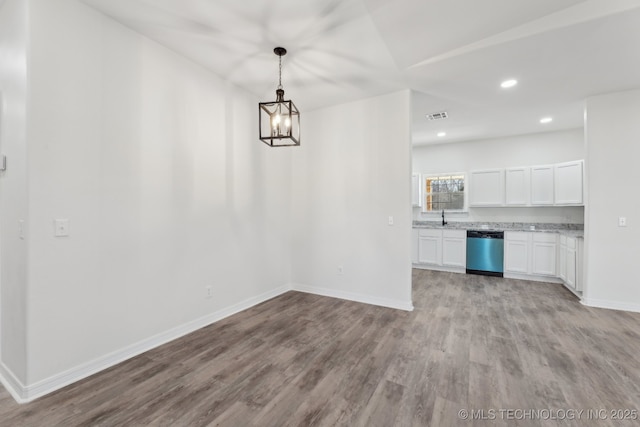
x=487, y=188
x=559, y=184
x=568, y=183
x=416, y=194
x=517, y=186
x=542, y=185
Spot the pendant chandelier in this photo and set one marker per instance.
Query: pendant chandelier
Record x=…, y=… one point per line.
x=279, y=120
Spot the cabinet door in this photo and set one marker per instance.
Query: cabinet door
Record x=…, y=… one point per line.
x=579, y=263
x=517, y=186
x=414, y=245
x=516, y=252
x=430, y=247
x=562, y=262
x=487, y=188
x=542, y=185
x=416, y=194
x=571, y=268
x=454, y=248
x=543, y=249
x=568, y=183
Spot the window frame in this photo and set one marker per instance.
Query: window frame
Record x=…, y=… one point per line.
x=426, y=194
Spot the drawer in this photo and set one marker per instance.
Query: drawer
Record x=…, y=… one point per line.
x=518, y=236
x=563, y=240
x=455, y=234
x=545, y=237
x=430, y=233
x=571, y=242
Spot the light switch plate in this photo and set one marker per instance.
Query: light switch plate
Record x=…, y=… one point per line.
x=390, y=220
x=61, y=227
x=622, y=221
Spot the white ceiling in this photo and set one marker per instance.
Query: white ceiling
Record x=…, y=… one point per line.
x=452, y=53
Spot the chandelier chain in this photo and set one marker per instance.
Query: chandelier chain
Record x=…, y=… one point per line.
x=280, y=72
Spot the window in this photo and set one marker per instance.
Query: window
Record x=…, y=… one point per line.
x=444, y=192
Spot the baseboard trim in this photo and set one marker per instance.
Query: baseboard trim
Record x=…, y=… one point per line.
x=611, y=305
x=58, y=381
x=11, y=383
x=444, y=268
x=533, y=278
x=351, y=296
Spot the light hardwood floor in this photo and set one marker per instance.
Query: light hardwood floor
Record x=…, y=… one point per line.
x=472, y=342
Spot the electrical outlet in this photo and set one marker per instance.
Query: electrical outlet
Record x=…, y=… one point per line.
x=61, y=227
x=340, y=270
x=208, y=291
x=21, y=229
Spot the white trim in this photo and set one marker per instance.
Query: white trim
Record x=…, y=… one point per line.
x=57, y=381
x=10, y=382
x=24, y=394
x=445, y=268
x=351, y=296
x=533, y=278
x=612, y=305
x=573, y=291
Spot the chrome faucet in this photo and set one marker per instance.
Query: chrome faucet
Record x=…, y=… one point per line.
x=443, y=221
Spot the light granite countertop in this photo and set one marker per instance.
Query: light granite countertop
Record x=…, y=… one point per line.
x=572, y=230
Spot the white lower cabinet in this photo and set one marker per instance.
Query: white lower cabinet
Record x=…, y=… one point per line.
x=454, y=248
x=570, y=260
x=430, y=247
x=516, y=252
x=440, y=248
x=562, y=258
x=528, y=253
x=543, y=261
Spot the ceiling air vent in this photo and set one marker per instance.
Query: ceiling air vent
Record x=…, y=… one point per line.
x=438, y=116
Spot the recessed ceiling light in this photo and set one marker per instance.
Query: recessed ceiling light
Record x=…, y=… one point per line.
x=441, y=134
x=546, y=120
x=508, y=83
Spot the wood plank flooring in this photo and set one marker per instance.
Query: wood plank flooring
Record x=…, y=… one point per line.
x=472, y=342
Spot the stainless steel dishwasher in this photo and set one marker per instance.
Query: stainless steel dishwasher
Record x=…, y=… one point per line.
x=485, y=252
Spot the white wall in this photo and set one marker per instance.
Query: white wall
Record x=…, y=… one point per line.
x=156, y=162
x=350, y=174
x=523, y=150
x=13, y=190
x=613, y=150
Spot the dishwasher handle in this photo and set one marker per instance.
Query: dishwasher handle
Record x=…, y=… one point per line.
x=483, y=234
